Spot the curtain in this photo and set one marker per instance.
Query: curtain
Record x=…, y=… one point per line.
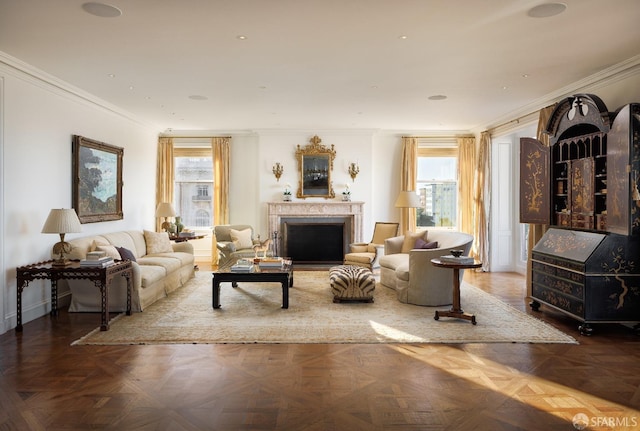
x=221, y=160
x=482, y=201
x=164, y=175
x=466, y=169
x=537, y=230
x=408, y=177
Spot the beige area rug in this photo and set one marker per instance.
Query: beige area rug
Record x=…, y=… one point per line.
x=251, y=313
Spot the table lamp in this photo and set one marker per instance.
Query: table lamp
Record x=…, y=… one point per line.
x=165, y=209
x=407, y=199
x=62, y=221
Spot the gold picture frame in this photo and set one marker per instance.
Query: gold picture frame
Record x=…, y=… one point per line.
x=97, y=180
x=315, y=165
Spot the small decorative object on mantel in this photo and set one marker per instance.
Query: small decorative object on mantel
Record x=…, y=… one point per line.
x=346, y=194
x=286, y=196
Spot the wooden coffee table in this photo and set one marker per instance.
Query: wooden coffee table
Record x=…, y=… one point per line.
x=283, y=275
x=456, y=308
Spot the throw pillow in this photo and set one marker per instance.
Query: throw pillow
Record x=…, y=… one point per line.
x=420, y=243
x=410, y=240
x=126, y=254
x=109, y=250
x=241, y=238
x=157, y=242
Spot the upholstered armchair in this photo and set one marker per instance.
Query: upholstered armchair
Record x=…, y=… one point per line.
x=368, y=254
x=408, y=269
x=235, y=241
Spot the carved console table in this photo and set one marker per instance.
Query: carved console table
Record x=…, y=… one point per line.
x=101, y=277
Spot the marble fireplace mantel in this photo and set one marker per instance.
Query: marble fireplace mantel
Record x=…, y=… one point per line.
x=277, y=210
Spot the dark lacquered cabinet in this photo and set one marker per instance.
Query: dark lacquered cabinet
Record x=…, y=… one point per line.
x=584, y=185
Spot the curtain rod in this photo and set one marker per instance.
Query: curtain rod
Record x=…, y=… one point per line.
x=440, y=137
x=194, y=137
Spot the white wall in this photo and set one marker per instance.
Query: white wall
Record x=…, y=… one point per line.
x=38, y=122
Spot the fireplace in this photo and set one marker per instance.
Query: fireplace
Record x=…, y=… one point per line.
x=313, y=240
x=315, y=232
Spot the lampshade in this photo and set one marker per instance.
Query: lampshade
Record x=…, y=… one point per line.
x=408, y=199
x=62, y=221
x=165, y=209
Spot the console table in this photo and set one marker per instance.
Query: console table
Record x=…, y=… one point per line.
x=100, y=276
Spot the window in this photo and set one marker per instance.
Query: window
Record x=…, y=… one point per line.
x=438, y=186
x=193, y=186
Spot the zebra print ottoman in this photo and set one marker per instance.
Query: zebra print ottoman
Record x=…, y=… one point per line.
x=351, y=283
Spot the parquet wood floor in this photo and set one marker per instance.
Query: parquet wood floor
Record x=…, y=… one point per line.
x=47, y=385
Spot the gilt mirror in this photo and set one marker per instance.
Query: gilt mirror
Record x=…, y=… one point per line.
x=315, y=164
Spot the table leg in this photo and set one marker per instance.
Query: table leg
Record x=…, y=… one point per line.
x=285, y=292
x=128, y=276
x=21, y=286
x=104, y=295
x=54, y=297
x=216, y=293
x=456, y=308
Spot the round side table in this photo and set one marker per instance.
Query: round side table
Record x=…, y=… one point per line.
x=456, y=308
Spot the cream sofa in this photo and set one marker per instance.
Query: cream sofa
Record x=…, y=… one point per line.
x=155, y=274
x=412, y=275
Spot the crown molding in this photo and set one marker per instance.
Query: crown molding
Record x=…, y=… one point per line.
x=610, y=75
x=28, y=73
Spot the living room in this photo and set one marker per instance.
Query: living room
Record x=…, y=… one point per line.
x=39, y=113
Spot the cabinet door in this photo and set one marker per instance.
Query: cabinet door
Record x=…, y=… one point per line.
x=534, y=182
x=618, y=174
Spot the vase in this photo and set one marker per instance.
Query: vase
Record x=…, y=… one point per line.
x=286, y=198
x=179, y=225
x=346, y=198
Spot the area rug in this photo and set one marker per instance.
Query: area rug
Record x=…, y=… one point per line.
x=251, y=313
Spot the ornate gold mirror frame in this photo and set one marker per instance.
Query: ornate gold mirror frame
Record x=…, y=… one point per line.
x=315, y=164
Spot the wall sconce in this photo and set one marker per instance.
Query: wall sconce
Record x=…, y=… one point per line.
x=354, y=170
x=277, y=170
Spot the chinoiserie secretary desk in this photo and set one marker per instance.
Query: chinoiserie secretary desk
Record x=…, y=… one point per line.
x=584, y=186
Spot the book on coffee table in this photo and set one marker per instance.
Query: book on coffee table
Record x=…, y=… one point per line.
x=270, y=262
x=460, y=260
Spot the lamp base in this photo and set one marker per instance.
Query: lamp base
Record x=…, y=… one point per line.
x=61, y=263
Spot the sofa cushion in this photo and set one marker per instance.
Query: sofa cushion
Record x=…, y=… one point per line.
x=410, y=240
x=170, y=264
x=126, y=254
x=157, y=242
x=420, y=243
x=241, y=238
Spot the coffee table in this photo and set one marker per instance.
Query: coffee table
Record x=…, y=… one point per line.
x=283, y=275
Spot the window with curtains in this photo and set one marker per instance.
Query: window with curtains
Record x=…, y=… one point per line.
x=193, y=186
x=437, y=186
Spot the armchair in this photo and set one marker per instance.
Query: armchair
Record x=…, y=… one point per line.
x=411, y=274
x=368, y=254
x=235, y=241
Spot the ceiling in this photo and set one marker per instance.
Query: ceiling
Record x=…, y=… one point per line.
x=321, y=64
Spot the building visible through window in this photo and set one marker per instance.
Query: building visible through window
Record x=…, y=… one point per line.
x=437, y=186
x=193, y=188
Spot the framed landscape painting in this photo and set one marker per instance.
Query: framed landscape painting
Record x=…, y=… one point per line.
x=97, y=180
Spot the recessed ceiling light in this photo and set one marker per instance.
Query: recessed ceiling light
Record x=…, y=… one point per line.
x=111, y=75
x=403, y=37
x=241, y=37
x=198, y=97
x=547, y=10
x=102, y=10
x=437, y=97
x=525, y=75
x=131, y=87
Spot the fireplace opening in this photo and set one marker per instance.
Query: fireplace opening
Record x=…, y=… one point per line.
x=319, y=241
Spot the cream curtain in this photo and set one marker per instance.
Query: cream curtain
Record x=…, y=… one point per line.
x=408, y=177
x=221, y=160
x=466, y=169
x=537, y=230
x=164, y=174
x=482, y=201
